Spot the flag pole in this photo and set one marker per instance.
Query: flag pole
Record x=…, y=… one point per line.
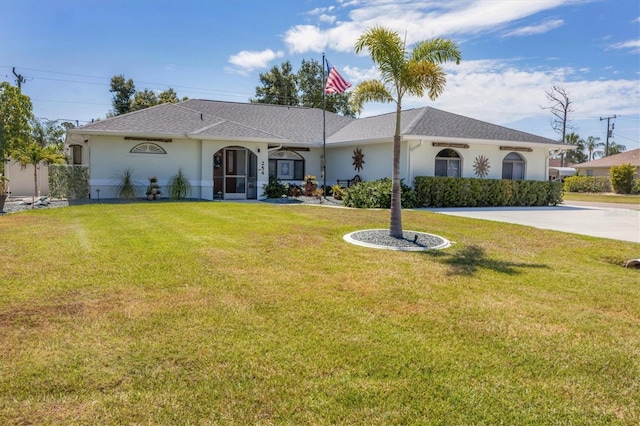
x=324, y=132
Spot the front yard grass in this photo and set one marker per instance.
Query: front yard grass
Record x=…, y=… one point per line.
x=602, y=198
x=223, y=313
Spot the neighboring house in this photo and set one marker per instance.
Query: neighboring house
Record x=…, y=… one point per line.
x=601, y=166
x=229, y=149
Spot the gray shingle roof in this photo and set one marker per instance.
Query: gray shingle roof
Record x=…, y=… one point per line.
x=226, y=119
x=431, y=122
x=217, y=119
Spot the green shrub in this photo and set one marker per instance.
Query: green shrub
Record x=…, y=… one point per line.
x=179, y=185
x=337, y=191
x=377, y=194
x=636, y=187
x=587, y=184
x=622, y=178
x=275, y=188
x=126, y=187
x=471, y=192
x=70, y=182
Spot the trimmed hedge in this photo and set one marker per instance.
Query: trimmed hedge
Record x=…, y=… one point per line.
x=471, y=192
x=377, y=194
x=70, y=182
x=587, y=184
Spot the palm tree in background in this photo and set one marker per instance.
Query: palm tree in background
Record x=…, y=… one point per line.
x=593, y=148
x=415, y=73
x=34, y=154
x=615, y=148
x=577, y=155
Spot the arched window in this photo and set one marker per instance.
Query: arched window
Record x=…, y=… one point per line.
x=286, y=165
x=448, y=163
x=147, y=148
x=513, y=166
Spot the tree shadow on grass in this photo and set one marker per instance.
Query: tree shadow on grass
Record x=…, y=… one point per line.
x=471, y=259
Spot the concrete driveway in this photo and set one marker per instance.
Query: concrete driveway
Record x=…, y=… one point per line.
x=596, y=220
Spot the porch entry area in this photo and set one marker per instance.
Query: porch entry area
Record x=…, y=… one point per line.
x=235, y=174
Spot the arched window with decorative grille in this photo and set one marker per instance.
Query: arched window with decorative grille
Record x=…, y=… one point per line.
x=147, y=148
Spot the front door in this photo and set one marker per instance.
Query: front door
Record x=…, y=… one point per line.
x=235, y=174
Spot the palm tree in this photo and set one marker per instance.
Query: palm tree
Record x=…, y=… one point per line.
x=34, y=154
x=615, y=148
x=577, y=155
x=402, y=72
x=592, y=146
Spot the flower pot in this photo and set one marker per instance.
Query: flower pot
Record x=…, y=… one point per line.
x=3, y=198
x=309, y=188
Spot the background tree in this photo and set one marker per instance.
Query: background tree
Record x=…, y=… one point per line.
x=311, y=89
x=577, y=155
x=593, y=148
x=169, y=96
x=123, y=91
x=560, y=107
x=279, y=86
x=414, y=73
x=15, y=115
x=127, y=99
x=144, y=99
x=48, y=132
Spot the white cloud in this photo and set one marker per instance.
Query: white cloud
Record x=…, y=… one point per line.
x=327, y=19
x=633, y=45
x=247, y=61
x=543, y=27
x=419, y=20
x=502, y=93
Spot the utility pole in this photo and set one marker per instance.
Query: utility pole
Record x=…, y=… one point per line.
x=609, y=133
x=19, y=79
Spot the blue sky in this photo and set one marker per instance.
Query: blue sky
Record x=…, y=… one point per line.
x=513, y=51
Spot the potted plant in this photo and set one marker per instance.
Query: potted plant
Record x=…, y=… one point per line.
x=153, y=190
x=310, y=184
x=338, y=192
x=4, y=191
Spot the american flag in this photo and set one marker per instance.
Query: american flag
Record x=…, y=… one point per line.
x=335, y=82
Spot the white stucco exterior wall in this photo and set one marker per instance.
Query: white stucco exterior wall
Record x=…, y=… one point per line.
x=422, y=160
x=108, y=157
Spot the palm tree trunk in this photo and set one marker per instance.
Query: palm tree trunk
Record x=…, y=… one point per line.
x=395, y=227
x=35, y=184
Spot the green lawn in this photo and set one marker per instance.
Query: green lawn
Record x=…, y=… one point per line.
x=603, y=198
x=223, y=313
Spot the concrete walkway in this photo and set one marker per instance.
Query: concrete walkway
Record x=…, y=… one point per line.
x=597, y=220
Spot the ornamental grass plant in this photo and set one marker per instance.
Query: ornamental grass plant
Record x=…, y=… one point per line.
x=203, y=313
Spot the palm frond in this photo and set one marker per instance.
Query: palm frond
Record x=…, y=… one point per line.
x=436, y=50
x=369, y=91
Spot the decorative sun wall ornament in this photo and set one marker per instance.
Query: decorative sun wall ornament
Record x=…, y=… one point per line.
x=481, y=166
x=358, y=159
